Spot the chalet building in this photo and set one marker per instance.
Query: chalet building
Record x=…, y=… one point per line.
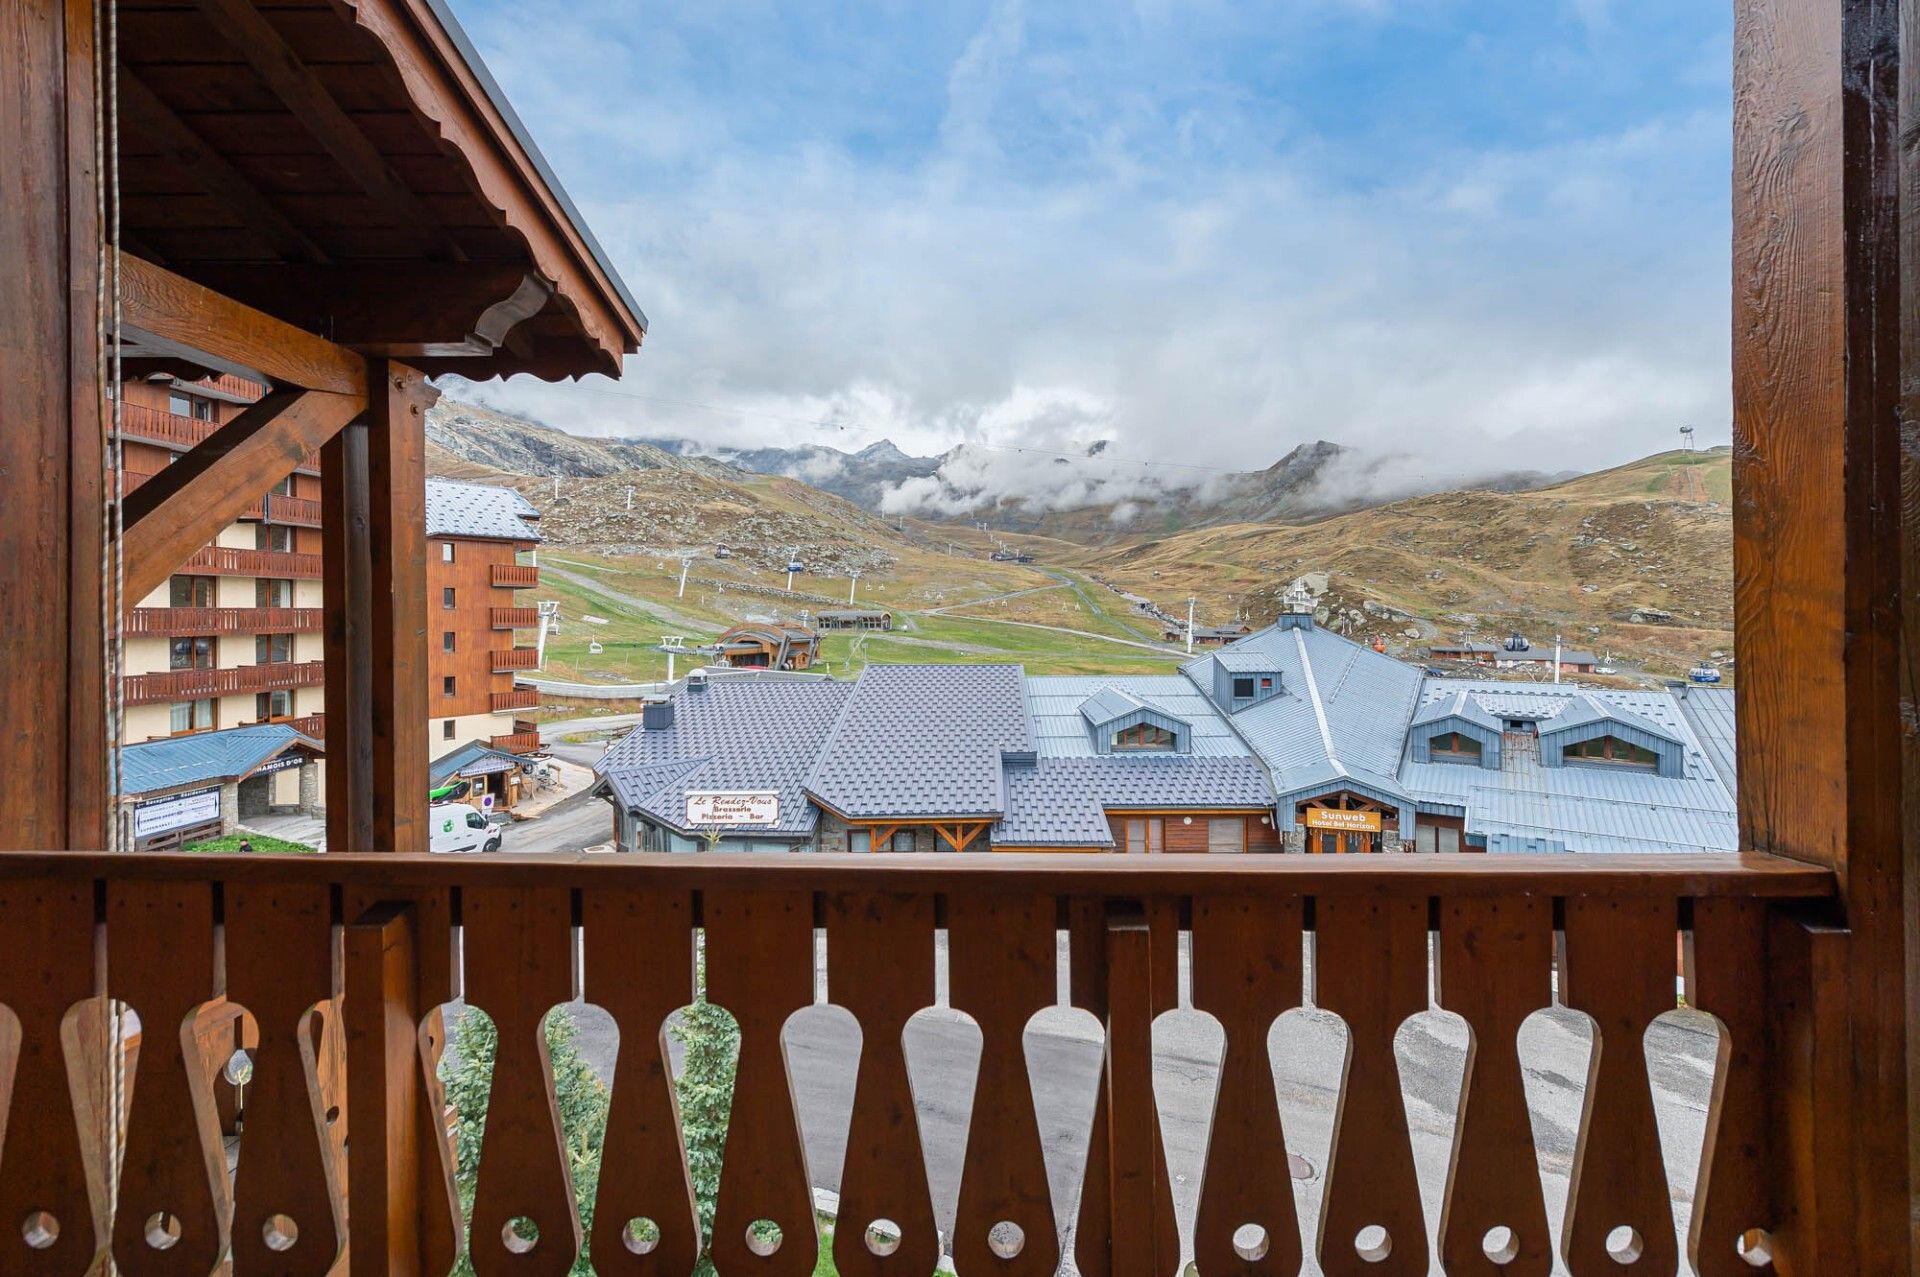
x=1477, y=653
x=853, y=618
x=477, y=537
x=491, y=779
x=1175, y=631
x=182, y=788
x=775, y=645
x=934, y=758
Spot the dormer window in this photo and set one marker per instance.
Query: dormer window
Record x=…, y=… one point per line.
x=1243, y=689
x=1143, y=737
x=1610, y=750
x=1455, y=747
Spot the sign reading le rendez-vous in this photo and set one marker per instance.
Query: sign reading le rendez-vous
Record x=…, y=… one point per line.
x=732, y=807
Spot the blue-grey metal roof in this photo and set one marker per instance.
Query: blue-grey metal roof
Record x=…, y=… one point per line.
x=1525, y=806
x=480, y=511
x=924, y=741
x=1108, y=704
x=1240, y=659
x=1063, y=801
x=204, y=757
x=1461, y=706
x=1339, y=716
x=1709, y=711
x=1054, y=704
x=738, y=734
x=471, y=759
x=1588, y=711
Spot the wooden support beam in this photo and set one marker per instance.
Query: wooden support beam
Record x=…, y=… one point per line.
x=167, y=315
x=346, y=566
x=397, y=521
x=52, y=701
x=1827, y=542
x=143, y=110
x=406, y=310
x=186, y=505
x=294, y=83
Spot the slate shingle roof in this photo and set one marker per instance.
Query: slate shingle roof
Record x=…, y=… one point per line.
x=738, y=734
x=924, y=741
x=479, y=511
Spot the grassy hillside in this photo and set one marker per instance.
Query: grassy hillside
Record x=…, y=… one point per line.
x=1582, y=558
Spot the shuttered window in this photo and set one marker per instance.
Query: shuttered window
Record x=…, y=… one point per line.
x=1227, y=834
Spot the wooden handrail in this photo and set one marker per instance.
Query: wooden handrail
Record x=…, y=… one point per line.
x=1751, y=875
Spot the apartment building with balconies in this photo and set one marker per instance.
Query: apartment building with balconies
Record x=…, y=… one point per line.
x=481, y=546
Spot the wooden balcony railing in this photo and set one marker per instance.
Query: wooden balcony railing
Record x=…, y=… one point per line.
x=518, y=698
x=228, y=560
x=516, y=935
x=224, y=620
x=517, y=742
x=186, y=685
x=272, y=507
x=314, y=725
x=138, y=421
x=508, y=659
x=513, y=618
x=515, y=576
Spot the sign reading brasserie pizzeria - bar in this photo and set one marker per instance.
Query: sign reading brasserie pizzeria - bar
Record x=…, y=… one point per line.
x=1346, y=821
x=733, y=807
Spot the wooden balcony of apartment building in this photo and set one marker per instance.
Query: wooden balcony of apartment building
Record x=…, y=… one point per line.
x=513, y=618
x=230, y=560
x=271, y=507
x=515, y=576
x=234, y=680
x=523, y=739
x=224, y=620
x=157, y=425
x=314, y=725
x=518, y=698
x=511, y=659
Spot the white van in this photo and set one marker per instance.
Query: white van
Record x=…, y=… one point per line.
x=458, y=827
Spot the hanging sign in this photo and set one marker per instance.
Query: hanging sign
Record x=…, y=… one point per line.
x=176, y=811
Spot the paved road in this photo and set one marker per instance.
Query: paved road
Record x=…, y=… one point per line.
x=1063, y=1057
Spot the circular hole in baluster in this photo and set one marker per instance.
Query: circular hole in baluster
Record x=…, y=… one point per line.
x=40, y=1230
x=1006, y=1239
x=1299, y=1167
x=1250, y=1242
x=333, y=1114
x=764, y=1237
x=519, y=1234
x=1501, y=1244
x=640, y=1235
x=1625, y=1245
x=279, y=1232
x=162, y=1230
x=238, y=1069
x=1373, y=1244
x=883, y=1237
x=1755, y=1246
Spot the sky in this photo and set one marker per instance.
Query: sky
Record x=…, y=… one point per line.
x=1480, y=233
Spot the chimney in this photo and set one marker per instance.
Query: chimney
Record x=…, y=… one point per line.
x=656, y=716
x=1296, y=609
x=697, y=682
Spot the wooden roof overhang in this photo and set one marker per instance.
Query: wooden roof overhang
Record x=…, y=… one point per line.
x=349, y=167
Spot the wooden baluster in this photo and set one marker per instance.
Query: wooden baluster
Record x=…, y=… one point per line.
x=1495, y=958
x=47, y=1197
x=760, y=968
x=1246, y=973
x=286, y=1203
x=639, y=955
x=1620, y=970
x=881, y=948
x=1734, y=1198
x=1095, y=1250
x=1370, y=968
x=519, y=966
x=399, y=959
x=1001, y=970
x=160, y=962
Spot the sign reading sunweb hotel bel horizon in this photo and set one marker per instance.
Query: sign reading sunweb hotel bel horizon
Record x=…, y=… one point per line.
x=733, y=807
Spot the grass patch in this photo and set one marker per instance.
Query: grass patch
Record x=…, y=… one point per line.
x=260, y=842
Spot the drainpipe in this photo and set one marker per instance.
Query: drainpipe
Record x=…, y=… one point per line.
x=1190, y=602
x=1556, y=658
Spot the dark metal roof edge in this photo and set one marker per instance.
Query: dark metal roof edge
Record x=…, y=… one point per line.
x=478, y=66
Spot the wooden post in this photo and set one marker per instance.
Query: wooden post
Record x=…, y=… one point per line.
x=347, y=571
x=52, y=706
x=1824, y=542
x=384, y=1109
x=398, y=398
x=1141, y=1240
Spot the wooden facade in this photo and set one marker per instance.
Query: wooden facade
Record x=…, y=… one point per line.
x=472, y=619
x=362, y=191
